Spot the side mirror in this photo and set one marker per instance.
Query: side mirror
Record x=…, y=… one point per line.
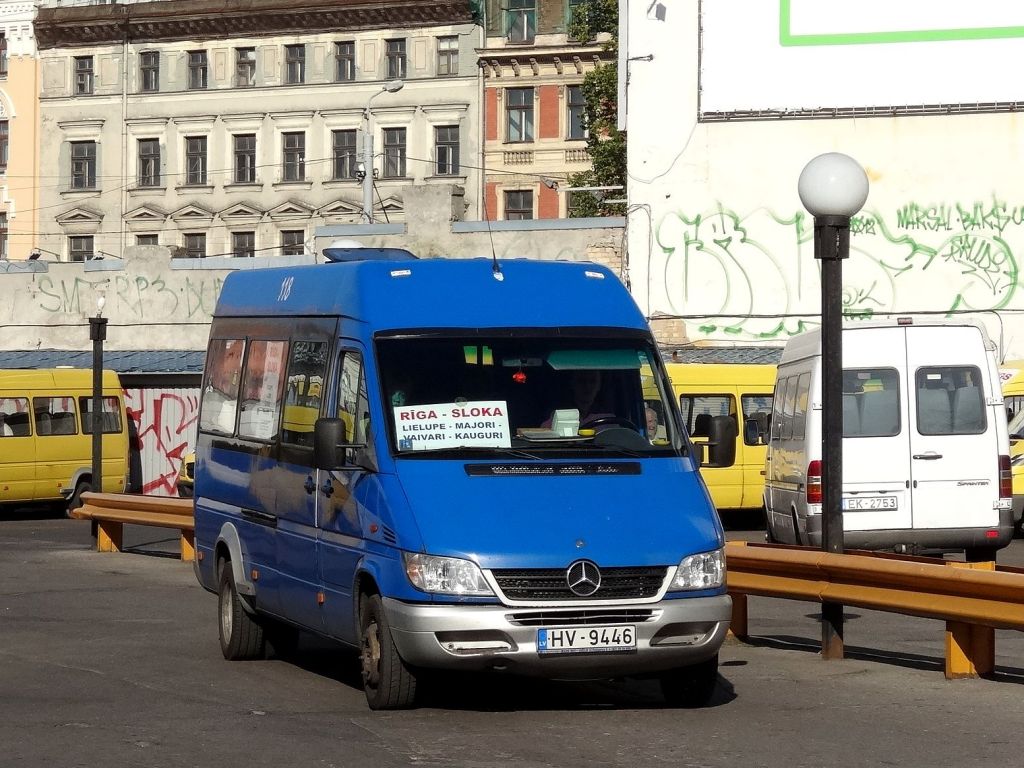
x=722, y=442
x=329, y=436
x=698, y=453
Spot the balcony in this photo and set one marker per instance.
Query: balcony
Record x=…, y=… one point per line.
x=577, y=156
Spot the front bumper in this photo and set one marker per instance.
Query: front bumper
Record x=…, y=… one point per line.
x=670, y=634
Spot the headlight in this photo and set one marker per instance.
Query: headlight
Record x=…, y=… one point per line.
x=445, y=575
x=703, y=571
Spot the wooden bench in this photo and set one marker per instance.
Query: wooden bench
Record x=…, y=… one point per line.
x=112, y=510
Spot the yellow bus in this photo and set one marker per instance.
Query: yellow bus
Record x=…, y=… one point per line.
x=742, y=391
x=46, y=436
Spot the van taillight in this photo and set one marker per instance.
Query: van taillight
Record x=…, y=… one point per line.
x=1005, y=478
x=814, y=482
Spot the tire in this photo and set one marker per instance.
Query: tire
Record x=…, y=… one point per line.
x=387, y=681
x=980, y=554
x=691, y=687
x=769, y=531
x=241, y=636
x=75, y=499
x=796, y=529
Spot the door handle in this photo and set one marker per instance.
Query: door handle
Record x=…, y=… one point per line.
x=327, y=489
x=930, y=456
x=309, y=485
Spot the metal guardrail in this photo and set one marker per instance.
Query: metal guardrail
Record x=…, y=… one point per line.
x=111, y=511
x=973, y=599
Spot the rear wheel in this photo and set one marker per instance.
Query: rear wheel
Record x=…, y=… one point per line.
x=75, y=500
x=387, y=681
x=691, y=687
x=241, y=636
x=980, y=554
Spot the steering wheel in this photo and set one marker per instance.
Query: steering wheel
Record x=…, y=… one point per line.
x=609, y=420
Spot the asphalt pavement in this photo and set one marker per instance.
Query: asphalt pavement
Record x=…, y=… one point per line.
x=113, y=660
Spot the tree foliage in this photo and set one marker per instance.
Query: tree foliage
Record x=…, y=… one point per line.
x=606, y=145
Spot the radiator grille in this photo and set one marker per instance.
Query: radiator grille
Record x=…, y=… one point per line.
x=550, y=583
x=585, y=617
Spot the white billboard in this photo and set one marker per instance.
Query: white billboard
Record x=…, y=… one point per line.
x=800, y=56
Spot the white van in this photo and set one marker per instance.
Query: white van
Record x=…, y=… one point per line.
x=926, y=460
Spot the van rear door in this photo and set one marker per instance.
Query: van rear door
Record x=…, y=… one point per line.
x=876, y=458
x=953, y=440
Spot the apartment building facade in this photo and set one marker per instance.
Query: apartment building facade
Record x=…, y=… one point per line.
x=19, y=206
x=533, y=103
x=217, y=130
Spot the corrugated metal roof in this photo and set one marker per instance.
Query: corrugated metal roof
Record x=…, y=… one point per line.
x=759, y=354
x=132, y=361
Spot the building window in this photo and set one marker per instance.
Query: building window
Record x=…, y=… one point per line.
x=3, y=56
x=447, y=56
x=293, y=242
x=344, y=147
x=519, y=204
x=521, y=21
x=446, y=149
x=519, y=107
x=293, y=160
x=3, y=235
x=147, y=239
x=149, y=69
x=195, y=160
x=198, y=72
x=80, y=248
x=295, y=64
x=245, y=67
x=243, y=244
x=576, y=107
x=149, y=162
x=83, y=75
x=394, y=153
x=195, y=245
x=396, y=59
x=574, y=10
x=83, y=165
x=5, y=136
x=245, y=158
x=345, y=61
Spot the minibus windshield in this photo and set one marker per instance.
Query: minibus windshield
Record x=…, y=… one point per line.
x=515, y=395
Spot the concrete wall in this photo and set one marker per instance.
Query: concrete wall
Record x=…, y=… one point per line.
x=156, y=302
x=717, y=233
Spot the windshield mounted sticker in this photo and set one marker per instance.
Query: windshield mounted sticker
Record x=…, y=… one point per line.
x=482, y=423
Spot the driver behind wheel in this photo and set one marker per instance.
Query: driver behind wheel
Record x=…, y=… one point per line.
x=584, y=386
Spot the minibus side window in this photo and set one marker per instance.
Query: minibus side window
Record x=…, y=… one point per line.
x=780, y=399
x=14, y=418
x=353, y=407
x=759, y=408
x=110, y=418
x=950, y=401
x=262, y=390
x=55, y=415
x=699, y=409
x=307, y=369
x=803, y=388
x=220, y=385
x=789, y=408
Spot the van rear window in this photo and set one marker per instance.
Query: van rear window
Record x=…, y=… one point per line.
x=111, y=417
x=950, y=401
x=871, y=402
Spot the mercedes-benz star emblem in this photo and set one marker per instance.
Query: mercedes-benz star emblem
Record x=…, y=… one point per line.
x=583, y=578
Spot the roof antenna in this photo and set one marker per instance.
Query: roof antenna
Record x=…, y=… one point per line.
x=495, y=266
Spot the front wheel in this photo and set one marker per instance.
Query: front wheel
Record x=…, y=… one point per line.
x=692, y=686
x=387, y=681
x=241, y=636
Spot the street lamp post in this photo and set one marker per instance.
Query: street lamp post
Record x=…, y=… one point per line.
x=98, y=334
x=832, y=187
x=366, y=170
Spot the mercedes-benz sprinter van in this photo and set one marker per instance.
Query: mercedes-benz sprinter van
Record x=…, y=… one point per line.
x=474, y=486
x=926, y=460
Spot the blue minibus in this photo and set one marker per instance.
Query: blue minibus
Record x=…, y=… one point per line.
x=455, y=464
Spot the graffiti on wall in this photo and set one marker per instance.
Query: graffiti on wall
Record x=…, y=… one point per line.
x=138, y=297
x=753, y=276
x=165, y=425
